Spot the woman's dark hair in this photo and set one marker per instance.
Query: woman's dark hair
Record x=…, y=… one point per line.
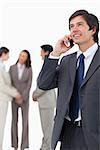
x=91, y=20
x=28, y=61
x=3, y=50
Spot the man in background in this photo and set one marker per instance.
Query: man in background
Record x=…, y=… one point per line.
x=47, y=103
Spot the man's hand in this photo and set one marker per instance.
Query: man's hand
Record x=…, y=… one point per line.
x=61, y=46
x=18, y=99
x=34, y=99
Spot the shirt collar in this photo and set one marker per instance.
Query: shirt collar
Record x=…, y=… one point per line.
x=2, y=66
x=89, y=51
x=20, y=65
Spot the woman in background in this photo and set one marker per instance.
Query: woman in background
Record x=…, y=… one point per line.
x=21, y=75
x=7, y=92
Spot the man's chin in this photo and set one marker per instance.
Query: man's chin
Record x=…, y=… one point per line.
x=77, y=42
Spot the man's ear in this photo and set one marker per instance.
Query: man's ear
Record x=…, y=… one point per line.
x=46, y=53
x=93, y=30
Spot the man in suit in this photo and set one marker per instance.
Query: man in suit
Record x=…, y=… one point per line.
x=7, y=92
x=77, y=122
x=21, y=76
x=47, y=103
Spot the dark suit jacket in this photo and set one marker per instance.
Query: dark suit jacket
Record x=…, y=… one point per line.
x=63, y=77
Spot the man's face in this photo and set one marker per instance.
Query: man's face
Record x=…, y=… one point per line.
x=43, y=53
x=80, y=32
x=5, y=56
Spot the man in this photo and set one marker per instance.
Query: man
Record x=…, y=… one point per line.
x=77, y=123
x=7, y=92
x=47, y=103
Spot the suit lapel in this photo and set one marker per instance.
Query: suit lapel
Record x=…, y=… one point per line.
x=94, y=65
x=16, y=72
x=23, y=74
x=72, y=67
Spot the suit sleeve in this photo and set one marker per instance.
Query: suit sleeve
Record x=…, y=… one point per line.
x=7, y=89
x=38, y=93
x=48, y=76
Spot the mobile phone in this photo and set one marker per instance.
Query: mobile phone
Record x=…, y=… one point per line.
x=69, y=43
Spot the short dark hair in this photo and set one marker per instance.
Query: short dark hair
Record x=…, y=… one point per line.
x=47, y=48
x=91, y=20
x=3, y=50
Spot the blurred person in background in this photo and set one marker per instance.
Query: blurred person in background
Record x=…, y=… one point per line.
x=21, y=76
x=7, y=92
x=47, y=103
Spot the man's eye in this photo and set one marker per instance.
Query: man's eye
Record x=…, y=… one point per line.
x=80, y=24
x=71, y=26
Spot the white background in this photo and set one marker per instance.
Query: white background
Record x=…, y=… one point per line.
x=27, y=24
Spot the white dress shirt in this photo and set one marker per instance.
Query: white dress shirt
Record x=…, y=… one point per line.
x=20, y=70
x=89, y=54
x=2, y=66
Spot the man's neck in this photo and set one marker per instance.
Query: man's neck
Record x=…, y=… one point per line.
x=1, y=59
x=84, y=47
